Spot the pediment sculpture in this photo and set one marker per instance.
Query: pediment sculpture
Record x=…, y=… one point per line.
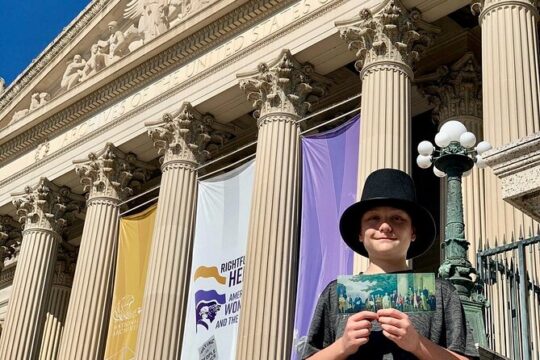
x=142, y=21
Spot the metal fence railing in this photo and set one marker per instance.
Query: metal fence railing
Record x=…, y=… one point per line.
x=511, y=277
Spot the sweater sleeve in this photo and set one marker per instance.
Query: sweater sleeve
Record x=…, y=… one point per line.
x=321, y=332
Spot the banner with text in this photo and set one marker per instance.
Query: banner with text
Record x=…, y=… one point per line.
x=329, y=173
x=219, y=249
x=135, y=238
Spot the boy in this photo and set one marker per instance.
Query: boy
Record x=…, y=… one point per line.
x=388, y=226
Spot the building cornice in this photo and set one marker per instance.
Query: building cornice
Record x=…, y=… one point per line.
x=73, y=115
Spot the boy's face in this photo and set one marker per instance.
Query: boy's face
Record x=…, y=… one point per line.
x=387, y=233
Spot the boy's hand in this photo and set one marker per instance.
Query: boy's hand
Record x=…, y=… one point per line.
x=356, y=332
x=398, y=327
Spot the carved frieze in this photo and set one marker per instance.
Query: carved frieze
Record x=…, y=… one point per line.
x=187, y=135
x=455, y=90
x=37, y=100
x=388, y=33
x=112, y=174
x=47, y=206
x=65, y=38
x=142, y=22
x=179, y=54
x=283, y=86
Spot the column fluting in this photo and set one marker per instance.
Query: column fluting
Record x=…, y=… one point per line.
x=44, y=211
x=108, y=176
x=387, y=41
x=281, y=92
x=58, y=302
x=511, y=98
x=182, y=139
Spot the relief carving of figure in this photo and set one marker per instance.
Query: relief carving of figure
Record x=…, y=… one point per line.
x=152, y=18
x=2, y=85
x=36, y=100
x=95, y=63
x=115, y=46
x=73, y=72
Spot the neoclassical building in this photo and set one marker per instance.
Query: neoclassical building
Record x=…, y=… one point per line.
x=143, y=97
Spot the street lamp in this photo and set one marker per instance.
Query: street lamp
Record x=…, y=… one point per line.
x=454, y=158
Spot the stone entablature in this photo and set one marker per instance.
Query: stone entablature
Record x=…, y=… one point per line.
x=250, y=36
x=190, y=56
x=518, y=167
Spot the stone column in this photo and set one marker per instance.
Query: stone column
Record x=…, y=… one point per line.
x=282, y=92
x=109, y=176
x=511, y=94
x=182, y=138
x=45, y=210
x=455, y=91
x=387, y=41
x=58, y=302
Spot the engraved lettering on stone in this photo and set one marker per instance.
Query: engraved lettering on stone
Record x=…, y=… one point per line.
x=285, y=85
x=47, y=206
x=112, y=173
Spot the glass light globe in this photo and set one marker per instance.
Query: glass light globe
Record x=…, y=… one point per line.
x=442, y=139
x=438, y=172
x=423, y=161
x=467, y=139
x=482, y=147
x=467, y=173
x=425, y=148
x=480, y=162
x=453, y=129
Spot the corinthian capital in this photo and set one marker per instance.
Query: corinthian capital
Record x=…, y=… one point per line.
x=187, y=135
x=10, y=237
x=111, y=173
x=481, y=7
x=454, y=91
x=388, y=33
x=47, y=206
x=283, y=86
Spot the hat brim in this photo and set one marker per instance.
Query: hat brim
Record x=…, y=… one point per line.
x=422, y=220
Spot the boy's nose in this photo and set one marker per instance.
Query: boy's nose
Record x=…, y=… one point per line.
x=385, y=227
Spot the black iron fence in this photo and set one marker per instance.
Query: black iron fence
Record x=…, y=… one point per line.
x=512, y=317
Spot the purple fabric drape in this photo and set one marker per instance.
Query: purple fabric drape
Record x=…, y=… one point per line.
x=329, y=165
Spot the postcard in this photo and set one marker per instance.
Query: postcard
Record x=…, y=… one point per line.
x=408, y=292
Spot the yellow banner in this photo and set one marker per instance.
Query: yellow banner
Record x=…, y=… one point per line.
x=133, y=253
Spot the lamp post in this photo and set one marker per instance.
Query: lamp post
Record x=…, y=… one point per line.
x=454, y=158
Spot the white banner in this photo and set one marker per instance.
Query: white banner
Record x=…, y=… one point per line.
x=223, y=208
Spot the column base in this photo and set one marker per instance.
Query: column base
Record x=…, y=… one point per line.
x=474, y=314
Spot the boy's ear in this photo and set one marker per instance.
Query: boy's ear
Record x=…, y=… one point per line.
x=413, y=235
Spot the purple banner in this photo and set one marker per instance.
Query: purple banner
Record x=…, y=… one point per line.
x=329, y=173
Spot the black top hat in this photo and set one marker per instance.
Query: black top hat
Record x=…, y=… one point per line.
x=389, y=187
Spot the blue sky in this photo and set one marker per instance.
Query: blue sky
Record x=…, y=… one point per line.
x=27, y=27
